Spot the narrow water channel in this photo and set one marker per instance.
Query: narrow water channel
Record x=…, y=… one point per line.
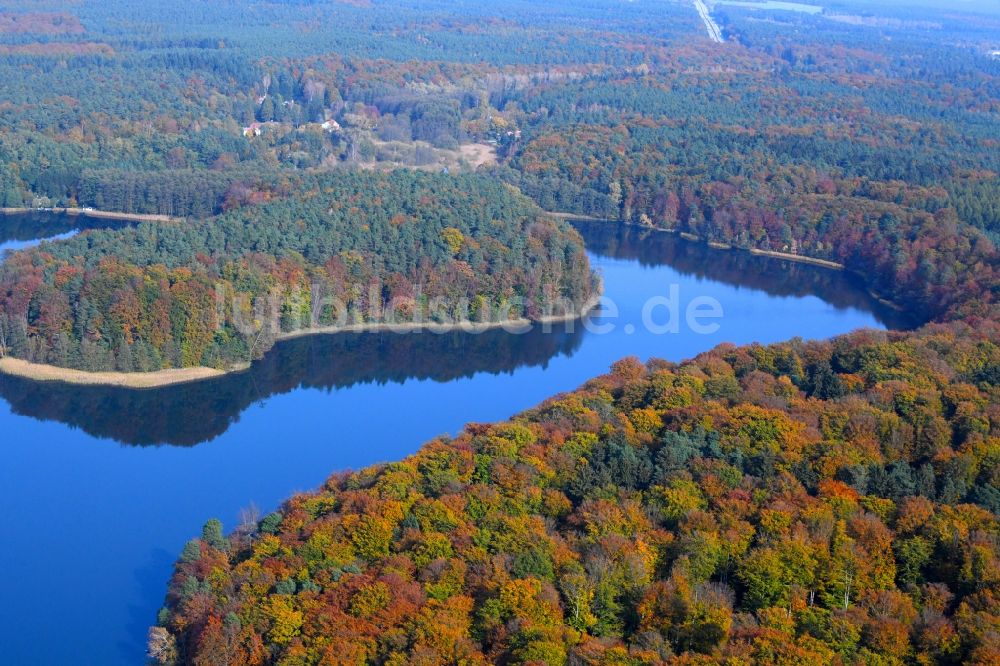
x=101, y=487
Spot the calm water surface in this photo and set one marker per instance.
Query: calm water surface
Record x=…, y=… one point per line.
x=22, y=230
x=100, y=488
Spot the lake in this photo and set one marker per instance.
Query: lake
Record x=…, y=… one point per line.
x=101, y=488
x=22, y=230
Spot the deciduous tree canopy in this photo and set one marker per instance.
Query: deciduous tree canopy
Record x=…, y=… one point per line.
x=830, y=502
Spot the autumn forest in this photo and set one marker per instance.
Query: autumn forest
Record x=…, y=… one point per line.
x=291, y=166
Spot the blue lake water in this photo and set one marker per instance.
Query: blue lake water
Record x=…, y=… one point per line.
x=19, y=231
x=100, y=488
x=14, y=245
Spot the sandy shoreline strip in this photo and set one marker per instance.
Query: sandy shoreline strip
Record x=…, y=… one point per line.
x=146, y=380
x=802, y=259
x=136, y=380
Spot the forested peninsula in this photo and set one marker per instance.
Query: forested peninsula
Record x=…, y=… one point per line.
x=800, y=503
x=339, y=251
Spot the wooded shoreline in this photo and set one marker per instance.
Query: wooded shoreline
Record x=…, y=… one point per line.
x=173, y=376
x=788, y=256
x=773, y=254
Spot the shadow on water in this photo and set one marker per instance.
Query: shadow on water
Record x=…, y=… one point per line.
x=776, y=277
x=25, y=228
x=189, y=414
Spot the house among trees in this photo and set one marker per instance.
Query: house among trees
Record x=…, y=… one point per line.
x=331, y=126
x=254, y=129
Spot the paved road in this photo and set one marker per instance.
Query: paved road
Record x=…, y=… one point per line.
x=714, y=31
